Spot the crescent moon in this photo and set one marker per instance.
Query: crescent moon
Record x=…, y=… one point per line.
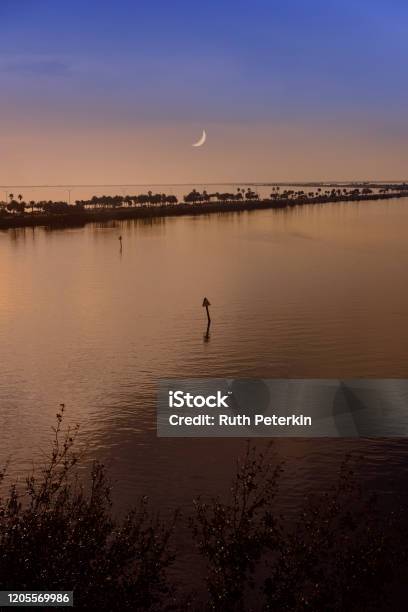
x=202, y=140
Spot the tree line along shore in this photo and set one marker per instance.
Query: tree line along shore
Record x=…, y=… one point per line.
x=16, y=212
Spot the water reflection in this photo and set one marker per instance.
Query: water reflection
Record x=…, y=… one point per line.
x=310, y=292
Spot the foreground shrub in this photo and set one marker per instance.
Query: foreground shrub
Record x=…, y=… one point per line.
x=55, y=534
x=339, y=554
x=233, y=535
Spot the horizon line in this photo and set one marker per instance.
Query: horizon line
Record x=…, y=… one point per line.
x=252, y=183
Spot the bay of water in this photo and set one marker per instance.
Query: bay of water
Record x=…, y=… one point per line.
x=314, y=291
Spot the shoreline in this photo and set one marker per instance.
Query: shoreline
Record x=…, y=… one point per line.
x=83, y=217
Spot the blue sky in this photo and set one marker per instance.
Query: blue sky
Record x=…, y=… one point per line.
x=314, y=65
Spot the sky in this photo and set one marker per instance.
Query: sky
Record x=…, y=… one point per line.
x=116, y=92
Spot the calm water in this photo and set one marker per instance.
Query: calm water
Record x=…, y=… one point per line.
x=308, y=292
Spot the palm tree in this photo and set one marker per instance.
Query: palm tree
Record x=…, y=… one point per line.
x=20, y=197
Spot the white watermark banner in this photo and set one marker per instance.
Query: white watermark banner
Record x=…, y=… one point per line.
x=221, y=407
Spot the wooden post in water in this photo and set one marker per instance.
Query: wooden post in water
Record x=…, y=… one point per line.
x=120, y=241
x=206, y=304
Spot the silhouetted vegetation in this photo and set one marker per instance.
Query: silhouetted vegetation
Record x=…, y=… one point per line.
x=18, y=213
x=338, y=553
x=58, y=534
x=234, y=534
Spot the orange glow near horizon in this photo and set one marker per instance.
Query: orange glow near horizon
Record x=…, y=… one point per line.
x=160, y=152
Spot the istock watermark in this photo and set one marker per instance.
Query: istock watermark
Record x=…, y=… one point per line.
x=282, y=407
x=179, y=399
